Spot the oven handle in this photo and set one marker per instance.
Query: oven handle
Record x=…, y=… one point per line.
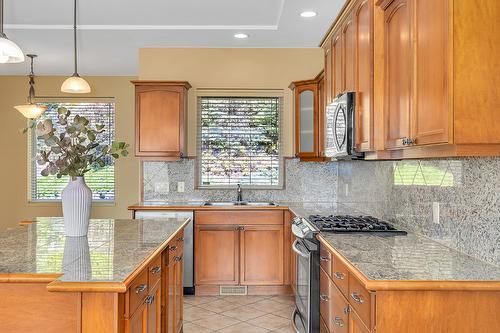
x=294, y=314
x=295, y=248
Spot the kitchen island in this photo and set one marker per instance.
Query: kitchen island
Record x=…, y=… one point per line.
x=125, y=276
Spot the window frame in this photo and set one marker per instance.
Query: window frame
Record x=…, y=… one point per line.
x=31, y=156
x=240, y=93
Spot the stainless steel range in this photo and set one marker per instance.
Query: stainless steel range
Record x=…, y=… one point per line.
x=306, y=315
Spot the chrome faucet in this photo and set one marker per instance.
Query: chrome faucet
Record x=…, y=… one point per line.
x=239, y=198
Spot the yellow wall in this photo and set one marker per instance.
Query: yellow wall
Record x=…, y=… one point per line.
x=13, y=169
x=246, y=68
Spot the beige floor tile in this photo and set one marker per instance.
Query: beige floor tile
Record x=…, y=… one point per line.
x=195, y=312
x=216, y=322
x=244, y=300
x=193, y=328
x=243, y=328
x=269, y=321
x=285, y=313
x=198, y=300
x=269, y=306
x=285, y=329
x=243, y=313
x=290, y=300
x=218, y=306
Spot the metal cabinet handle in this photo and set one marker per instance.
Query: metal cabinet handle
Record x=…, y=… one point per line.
x=338, y=321
x=347, y=310
x=357, y=298
x=150, y=299
x=173, y=248
x=177, y=258
x=324, y=298
x=324, y=258
x=156, y=269
x=408, y=141
x=180, y=239
x=140, y=288
x=339, y=275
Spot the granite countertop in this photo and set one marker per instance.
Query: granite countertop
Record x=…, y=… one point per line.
x=110, y=253
x=399, y=258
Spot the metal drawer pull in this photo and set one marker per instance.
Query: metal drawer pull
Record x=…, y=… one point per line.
x=324, y=298
x=338, y=321
x=347, y=310
x=180, y=239
x=156, y=269
x=339, y=276
x=357, y=298
x=324, y=258
x=150, y=299
x=177, y=258
x=140, y=288
x=173, y=248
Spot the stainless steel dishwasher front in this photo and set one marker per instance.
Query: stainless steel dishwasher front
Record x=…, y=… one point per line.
x=188, y=241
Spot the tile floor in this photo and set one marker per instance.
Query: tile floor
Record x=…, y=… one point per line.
x=238, y=314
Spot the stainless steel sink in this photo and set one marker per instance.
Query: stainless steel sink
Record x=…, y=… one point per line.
x=238, y=203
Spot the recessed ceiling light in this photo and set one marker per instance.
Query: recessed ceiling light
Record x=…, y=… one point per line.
x=308, y=14
x=241, y=36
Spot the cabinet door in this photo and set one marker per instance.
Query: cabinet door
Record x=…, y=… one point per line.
x=355, y=324
x=261, y=255
x=154, y=310
x=216, y=254
x=349, y=53
x=337, y=66
x=171, y=297
x=306, y=120
x=398, y=69
x=431, y=114
x=328, y=89
x=364, y=74
x=138, y=323
x=179, y=293
x=321, y=116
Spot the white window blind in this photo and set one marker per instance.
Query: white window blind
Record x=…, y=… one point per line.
x=239, y=141
x=102, y=181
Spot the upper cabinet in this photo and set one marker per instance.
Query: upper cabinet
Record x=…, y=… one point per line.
x=309, y=100
x=426, y=85
x=160, y=119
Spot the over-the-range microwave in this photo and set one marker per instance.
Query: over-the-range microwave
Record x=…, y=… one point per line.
x=340, y=129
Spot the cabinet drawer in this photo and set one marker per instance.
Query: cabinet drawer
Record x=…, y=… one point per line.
x=334, y=309
x=179, y=242
x=361, y=300
x=154, y=271
x=325, y=260
x=266, y=217
x=322, y=326
x=138, y=291
x=340, y=275
x=324, y=296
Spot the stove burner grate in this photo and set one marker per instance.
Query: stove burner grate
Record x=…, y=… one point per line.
x=346, y=223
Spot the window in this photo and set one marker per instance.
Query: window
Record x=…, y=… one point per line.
x=239, y=141
x=102, y=182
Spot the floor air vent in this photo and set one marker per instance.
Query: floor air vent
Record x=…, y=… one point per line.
x=233, y=290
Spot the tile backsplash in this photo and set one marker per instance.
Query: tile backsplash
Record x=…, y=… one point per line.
x=304, y=182
x=466, y=191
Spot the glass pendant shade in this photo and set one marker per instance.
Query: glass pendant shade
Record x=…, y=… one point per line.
x=10, y=53
x=31, y=111
x=75, y=85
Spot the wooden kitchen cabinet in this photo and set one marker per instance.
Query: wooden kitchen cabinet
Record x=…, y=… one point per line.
x=309, y=104
x=356, y=325
x=257, y=265
x=216, y=254
x=179, y=292
x=154, y=310
x=338, y=65
x=160, y=119
x=138, y=323
x=172, y=295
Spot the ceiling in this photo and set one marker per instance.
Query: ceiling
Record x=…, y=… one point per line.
x=112, y=31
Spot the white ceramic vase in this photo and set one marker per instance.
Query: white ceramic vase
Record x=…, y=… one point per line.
x=76, y=203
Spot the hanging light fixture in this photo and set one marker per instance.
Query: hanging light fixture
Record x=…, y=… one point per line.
x=31, y=110
x=9, y=51
x=75, y=84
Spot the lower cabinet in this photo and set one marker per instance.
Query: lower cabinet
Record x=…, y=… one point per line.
x=355, y=324
x=138, y=323
x=153, y=302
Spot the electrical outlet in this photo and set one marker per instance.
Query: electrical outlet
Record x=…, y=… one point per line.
x=346, y=189
x=180, y=186
x=435, y=212
x=162, y=187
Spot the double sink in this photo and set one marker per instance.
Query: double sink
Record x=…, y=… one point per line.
x=239, y=203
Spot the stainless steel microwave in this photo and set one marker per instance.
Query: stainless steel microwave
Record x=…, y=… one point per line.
x=340, y=129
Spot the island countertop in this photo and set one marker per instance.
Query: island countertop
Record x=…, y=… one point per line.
x=107, y=258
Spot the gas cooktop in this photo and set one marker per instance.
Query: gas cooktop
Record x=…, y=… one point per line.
x=346, y=223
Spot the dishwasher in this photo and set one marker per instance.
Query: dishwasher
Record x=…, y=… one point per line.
x=188, y=241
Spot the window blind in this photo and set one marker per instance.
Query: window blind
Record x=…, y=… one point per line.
x=239, y=141
x=102, y=181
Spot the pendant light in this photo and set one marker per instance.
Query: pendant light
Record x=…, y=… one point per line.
x=31, y=110
x=9, y=51
x=75, y=84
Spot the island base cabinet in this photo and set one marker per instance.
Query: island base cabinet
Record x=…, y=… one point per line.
x=138, y=323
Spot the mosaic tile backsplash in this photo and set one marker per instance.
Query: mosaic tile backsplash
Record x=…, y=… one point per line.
x=467, y=191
